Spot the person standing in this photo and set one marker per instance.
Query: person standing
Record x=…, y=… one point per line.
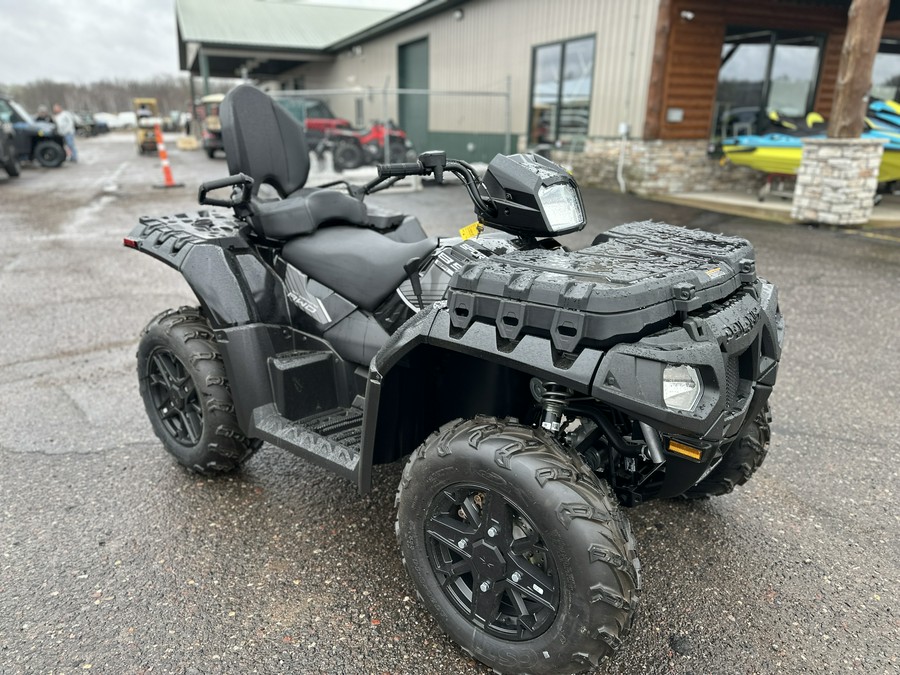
x=43, y=115
x=65, y=126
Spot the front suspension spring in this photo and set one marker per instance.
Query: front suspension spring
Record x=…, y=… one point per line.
x=554, y=400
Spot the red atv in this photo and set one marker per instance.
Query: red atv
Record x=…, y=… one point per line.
x=352, y=148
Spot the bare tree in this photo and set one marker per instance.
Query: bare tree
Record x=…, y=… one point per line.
x=172, y=93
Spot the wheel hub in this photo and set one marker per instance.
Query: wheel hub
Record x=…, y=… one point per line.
x=491, y=562
x=488, y=562
x=174, y=396
x=176, y=399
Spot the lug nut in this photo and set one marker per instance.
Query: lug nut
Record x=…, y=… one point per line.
x=462, y=543
x=516, y=577
x=493, y=531
x=485, y=586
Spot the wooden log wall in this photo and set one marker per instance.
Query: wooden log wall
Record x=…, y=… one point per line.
x=688, y=75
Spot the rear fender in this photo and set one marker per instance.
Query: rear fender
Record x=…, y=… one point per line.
x=241, y=296
x=233, y=284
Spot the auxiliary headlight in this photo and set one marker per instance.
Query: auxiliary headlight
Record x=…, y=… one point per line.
x=562, y=207
x=681, y=387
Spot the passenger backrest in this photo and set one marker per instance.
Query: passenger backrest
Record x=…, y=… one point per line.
x=263, y=140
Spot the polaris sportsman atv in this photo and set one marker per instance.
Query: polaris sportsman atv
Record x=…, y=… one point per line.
x=539, y=390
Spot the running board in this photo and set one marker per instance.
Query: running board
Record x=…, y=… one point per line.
x=330, y=439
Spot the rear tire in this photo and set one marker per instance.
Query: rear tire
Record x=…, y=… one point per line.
x=741, y=460
x=211, y=153
x=186, y=394
x=49, y=154
x=523, y=560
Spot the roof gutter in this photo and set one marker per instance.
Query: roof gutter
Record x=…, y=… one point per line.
x=396, y=22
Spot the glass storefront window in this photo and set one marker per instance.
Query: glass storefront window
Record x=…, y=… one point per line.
x=792, y=83
x=764, y=70
x=562, y=75
x=886, y=72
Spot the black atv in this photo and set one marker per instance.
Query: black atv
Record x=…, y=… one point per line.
x=537, y=389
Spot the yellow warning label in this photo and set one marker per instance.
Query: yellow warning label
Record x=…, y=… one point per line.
x=714, y=272
x=470, y=231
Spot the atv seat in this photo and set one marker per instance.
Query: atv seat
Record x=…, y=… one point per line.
x=359, y=264
x=265, y=142
x=303, y=212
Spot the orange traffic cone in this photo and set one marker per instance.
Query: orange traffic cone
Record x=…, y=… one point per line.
x=168, y=181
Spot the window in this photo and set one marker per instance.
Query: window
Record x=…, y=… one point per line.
x=562, y=75
x=763, y=70
x=886, y=72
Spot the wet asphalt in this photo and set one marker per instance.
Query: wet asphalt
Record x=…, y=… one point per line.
x=114, y=559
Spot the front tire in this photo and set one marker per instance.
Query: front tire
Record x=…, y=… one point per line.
x=12, y=166
x=186, y=394
x=741, y=460
x=49, y=154
x=522, y=558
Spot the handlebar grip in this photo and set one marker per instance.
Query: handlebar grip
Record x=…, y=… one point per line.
x=401, y=169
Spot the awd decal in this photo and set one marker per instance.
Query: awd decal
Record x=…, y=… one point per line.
x=299, y=294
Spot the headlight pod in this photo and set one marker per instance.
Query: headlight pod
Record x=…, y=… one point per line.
x=682, y=387
x=532, y=197
x=561, y=205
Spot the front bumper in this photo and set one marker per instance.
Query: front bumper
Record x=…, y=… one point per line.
x=735, y=345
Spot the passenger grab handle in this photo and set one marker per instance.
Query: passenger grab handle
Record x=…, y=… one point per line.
x=241, y=180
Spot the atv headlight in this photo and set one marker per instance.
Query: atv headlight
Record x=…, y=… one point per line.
x=562, y=207
x=681, y=387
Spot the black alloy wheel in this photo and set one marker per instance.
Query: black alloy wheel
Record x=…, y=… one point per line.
x=494, y=563
x=519, y=551
x=186, y=393
x=174, y=396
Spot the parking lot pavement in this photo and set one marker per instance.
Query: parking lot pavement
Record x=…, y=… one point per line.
x=113, y=558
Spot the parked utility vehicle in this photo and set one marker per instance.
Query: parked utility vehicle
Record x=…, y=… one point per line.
x=34, y=141
x=536, y=390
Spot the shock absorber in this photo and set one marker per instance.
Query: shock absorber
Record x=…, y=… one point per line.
x=554, y=399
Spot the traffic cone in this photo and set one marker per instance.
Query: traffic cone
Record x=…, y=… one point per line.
x=168, y=181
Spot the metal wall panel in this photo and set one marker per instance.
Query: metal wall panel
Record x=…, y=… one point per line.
x=493, y=40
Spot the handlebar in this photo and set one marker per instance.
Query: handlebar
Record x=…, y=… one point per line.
x=436, y=163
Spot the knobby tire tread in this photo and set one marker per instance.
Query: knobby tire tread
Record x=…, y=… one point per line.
x=223, y=447
x=584, y=505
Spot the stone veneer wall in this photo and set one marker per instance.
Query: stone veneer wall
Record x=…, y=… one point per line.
x=658, y=167
x=837, y=180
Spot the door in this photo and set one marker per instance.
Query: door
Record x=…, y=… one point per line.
x=412, y=64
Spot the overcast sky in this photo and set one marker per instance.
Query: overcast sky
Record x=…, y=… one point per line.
x=89, y=40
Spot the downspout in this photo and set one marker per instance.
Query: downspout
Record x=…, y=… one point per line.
x=620, y=169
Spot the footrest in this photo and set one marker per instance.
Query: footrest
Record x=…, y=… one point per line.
x=330, y=439
x=343, y=426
